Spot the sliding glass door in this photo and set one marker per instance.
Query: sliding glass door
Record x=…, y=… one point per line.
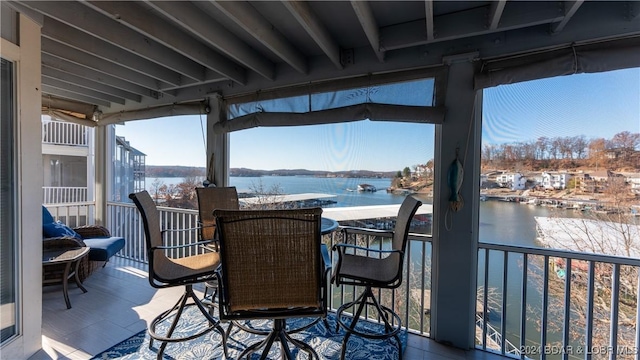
x=8, y=238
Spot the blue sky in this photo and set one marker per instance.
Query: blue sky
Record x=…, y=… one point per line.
x=361, y=145
x=594, y=105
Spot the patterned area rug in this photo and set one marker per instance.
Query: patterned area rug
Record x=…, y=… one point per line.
x=326, y=342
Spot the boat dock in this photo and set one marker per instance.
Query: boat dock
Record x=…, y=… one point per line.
x=310, y=199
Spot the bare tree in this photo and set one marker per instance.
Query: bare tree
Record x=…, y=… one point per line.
x=156, y=185
x=597, y=149
x=266, y=197
x=542, y=145
x=580, y=146
x=612, y=232
x=626, y=140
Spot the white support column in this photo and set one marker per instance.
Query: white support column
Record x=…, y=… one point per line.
x=455, y=233
x=217, y=144
x=103, y=162
x=91, y=164
x=28, y=157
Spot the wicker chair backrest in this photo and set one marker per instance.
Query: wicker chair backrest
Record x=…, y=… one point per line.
x=212, y=198
x=271, y=259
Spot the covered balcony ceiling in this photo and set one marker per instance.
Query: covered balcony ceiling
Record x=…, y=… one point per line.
x=129, y=55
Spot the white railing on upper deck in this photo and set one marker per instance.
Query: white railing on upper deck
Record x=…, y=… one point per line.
x=64, y=133
x=73, y=214
x=576, y=305
x=67, y=194
x=124, y=220
x=411, y=300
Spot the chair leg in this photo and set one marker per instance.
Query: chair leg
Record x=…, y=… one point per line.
x=178, y=308
x=385, y=313
x=278, y=333
x=362, y=298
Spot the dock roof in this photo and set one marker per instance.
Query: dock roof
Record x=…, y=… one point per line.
x=370, y=212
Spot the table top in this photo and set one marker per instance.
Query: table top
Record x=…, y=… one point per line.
x=64, y=255
x=327, y=225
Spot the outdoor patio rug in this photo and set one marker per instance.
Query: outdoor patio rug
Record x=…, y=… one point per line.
x=326, y=343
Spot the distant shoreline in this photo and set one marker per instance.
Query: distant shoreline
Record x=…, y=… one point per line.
x=155, y=171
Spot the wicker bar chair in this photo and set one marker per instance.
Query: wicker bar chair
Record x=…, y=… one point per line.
x=273, y=267
x=369, y=268
x=165, y=271
x=209, y=199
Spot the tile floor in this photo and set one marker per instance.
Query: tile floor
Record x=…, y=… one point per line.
x=120, y=302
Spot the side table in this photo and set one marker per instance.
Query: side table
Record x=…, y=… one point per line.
x=68, y=257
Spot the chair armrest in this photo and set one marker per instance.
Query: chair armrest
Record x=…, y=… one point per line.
x=358, y=230
x=176, y=230
x=92, y=231
x=341, y=248
x=325, y=257
x=64, y=242
x=199, y=243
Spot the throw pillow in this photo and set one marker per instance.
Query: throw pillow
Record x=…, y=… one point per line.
x=58, y=229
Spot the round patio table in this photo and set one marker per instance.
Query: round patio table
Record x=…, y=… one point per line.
x=328, y=225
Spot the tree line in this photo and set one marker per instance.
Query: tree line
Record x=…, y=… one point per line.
x=568, y=151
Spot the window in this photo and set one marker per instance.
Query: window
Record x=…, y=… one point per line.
x=560, y=169
x=8, y=248
x=340, y=163
x=563, y=142
x=343, y=160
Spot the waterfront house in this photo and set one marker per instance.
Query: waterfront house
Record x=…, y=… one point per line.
x=633, y=179
x=245, y=64
x=512, y=180
x=555, y=180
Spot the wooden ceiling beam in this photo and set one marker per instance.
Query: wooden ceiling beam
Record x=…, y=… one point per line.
x=98, y=25
x=163, y=32
x=256, y=25
x=368, y=22
x=310, y=22
x=194, y=20
x=79, y=40
x=495, y=13
x=570, y=8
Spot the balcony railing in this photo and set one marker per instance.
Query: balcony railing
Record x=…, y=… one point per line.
x=575, y=305
x=557, y=304
x=411, y=300
x=73, y=214
x=64, y=133
x=58, y=195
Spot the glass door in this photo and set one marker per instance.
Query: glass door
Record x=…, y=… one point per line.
x=8, y=239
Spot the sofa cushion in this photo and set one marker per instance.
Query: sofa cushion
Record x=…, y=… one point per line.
x=101, y=249
x=47, y=218
x=58, y=229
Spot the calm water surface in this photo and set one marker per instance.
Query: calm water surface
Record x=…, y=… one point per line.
x=493, y=214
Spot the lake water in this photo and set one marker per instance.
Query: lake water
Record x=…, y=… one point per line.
x=493, y=214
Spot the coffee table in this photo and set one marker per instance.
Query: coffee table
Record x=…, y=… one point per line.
x=68, y=257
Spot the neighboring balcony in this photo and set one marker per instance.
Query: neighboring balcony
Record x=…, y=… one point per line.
x=532, y=303
x=64, y=133
x=66, y=148
x=64, y=195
